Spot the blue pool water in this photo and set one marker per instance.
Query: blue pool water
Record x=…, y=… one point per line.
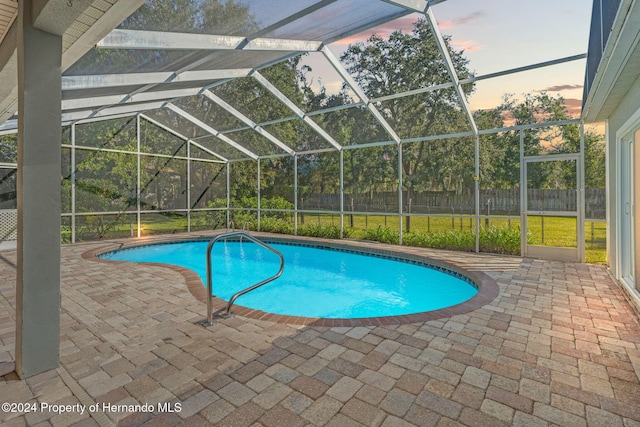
x=315, y=283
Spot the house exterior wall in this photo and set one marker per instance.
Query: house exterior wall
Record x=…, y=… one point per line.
x=625, y=118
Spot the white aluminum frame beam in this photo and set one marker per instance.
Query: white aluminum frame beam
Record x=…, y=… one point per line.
x=107, y=105
x=336, y=108
x=135, y=79
x=413, y=92
x=211, y=130
x=206, y=150
x=179, y=135
x=163, y=126
x=293, y=107
x=482, y=77
x=217, y=100
x=114, y=110
x=525, y=68
x=160, y=40
x=97, y=119
x=104, y=101
x=442, y=47
x=413, y=5
x=335, y=63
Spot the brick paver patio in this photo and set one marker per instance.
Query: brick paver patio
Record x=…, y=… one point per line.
x=557, y=346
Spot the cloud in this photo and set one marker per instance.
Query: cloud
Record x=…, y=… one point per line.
x=574, y=106
x=404, y=24
x=559, y=88
x=466, y=45
x=451, y=23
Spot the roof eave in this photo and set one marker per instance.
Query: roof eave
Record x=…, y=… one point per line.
x=618, y=67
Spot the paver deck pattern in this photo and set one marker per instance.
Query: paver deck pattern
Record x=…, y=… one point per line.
x=559, y=345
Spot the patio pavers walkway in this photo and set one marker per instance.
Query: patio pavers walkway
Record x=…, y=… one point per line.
x=558, y=346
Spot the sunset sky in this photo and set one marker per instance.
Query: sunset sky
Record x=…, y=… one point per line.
x=497, y=35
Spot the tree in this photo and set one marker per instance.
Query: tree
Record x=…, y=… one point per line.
x=411, y=61
x=9, y=148
x=503, y=168
x=405, y=62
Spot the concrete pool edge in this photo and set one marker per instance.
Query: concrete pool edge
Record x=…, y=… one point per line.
x=487, y=287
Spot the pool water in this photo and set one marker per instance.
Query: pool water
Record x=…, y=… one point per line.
x=316, y=282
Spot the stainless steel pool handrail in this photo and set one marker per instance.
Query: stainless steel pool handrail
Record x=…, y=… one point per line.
x=235, y=296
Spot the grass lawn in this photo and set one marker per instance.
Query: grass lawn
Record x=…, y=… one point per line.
x=553, y=231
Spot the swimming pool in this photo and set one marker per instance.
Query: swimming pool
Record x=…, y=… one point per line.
x=317, y=282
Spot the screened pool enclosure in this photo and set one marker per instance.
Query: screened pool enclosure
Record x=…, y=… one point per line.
x=291, y=117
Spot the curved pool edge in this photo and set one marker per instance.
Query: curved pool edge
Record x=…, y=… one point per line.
x=487, y=287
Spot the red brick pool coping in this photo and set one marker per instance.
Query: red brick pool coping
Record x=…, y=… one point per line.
x=487, y=287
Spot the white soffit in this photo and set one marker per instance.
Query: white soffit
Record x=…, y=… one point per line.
x=8, y=14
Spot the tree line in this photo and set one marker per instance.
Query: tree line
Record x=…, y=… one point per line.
x=106, y=181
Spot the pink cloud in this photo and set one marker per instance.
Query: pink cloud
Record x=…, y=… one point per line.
x=404, y=24
x=466, y=45
x=451, y=23
x=574, y=106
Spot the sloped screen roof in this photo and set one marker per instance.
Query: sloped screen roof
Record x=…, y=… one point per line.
x=276, y=78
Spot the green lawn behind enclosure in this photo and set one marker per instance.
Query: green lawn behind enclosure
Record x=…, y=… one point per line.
x=453, y=232
x=553, y=231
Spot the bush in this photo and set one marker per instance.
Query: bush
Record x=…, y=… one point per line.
x=278, y=203
x=275, y=225
x=500, y=240
x=494, y=239
x=249, y=218
x=381, y=234
x=324, y=231
x=457, y=240
x=213, y=219
x=245, y=219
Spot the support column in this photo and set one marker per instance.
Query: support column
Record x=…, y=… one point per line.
x=73, y=183
x=295, y=195
x=523, y=199
x=476, y=188
x=39, y=210
x=189, y=207
x=400, y=229
x=226, y=226
x=635, y=197
x=138, y=178
x=341, y=194
x=581, y=166
x=259, y=196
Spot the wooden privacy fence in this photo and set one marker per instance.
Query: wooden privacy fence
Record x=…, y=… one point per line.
x=494, y=202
